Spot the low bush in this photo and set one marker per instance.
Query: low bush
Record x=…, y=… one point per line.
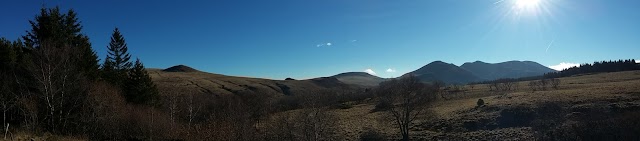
x=480, y=102
x=372, y=135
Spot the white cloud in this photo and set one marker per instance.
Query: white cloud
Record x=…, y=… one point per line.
x=390, y=70
x=637, y=60
x=370, y=71
x=324, y=44
x=563, y=65
x=354, y=41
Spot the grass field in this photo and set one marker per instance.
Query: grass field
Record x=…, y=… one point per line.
x=518, y=114
x=509, y=115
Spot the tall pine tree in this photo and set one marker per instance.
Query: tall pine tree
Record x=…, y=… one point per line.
x=51, y=28
x=59, y=66
x=7, y=53
x=117, y=64
x=140, y=88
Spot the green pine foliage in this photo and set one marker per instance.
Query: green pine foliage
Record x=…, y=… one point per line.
x=51, y=28
x=133, y=80
x=117, y=64
x=56, y=67
x=7, y=53
x=140, y=89
x=49, y=82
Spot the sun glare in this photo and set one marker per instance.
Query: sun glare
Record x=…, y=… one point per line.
x=527, y=4
x=520, y=8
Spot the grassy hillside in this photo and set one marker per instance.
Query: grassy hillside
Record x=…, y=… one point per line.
x=359, y=78
x=516, y=114
x=216, y=84
x=580, y=101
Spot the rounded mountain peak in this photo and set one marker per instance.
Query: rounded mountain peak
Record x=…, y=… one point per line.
x=180, y=68
x=354, y=74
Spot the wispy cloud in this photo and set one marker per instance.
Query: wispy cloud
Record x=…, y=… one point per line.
x=550, y=44
x=370, y=71
x=390, y=70
x=563, y=65
x=324, y=44
x=354, y=41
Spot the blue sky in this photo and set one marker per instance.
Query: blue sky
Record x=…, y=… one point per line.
x=304, y=39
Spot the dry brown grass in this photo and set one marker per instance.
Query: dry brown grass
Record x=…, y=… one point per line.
x=596, y=91
x=216, y=84
x=25, y=136
x=506, y=115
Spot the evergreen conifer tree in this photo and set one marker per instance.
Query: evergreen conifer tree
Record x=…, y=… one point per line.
x=117, y=64
x=7, y=53
x=55, y=29
x=57, y=65
x=140, y=88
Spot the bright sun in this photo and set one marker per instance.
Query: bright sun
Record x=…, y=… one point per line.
x=526, y=4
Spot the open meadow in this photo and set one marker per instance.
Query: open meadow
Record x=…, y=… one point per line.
x=609, y=100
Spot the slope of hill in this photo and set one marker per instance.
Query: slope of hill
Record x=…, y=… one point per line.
x=359, y=78
x=509, y=69
x=188, y=81
x=600, y=105
x=448, y=73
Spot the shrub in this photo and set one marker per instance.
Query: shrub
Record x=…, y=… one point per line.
x=372, y=135
x=382, y=106
x=480, y=102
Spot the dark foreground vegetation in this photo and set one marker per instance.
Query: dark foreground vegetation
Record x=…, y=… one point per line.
x=52, y=83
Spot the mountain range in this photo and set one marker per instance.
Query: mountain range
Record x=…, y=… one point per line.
x=509, y=69
x=452, y=74
x=182, y=78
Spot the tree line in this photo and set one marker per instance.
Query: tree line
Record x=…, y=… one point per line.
x=49, y=77
x=586, y=68
x=596, y=67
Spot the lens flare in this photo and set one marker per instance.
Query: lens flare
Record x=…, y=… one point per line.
x=527, y=4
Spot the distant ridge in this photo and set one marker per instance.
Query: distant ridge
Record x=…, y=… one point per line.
x=441, y=71
x=478, y=71
x=180, y=68
x=435, y=71
x=359, y=78
x=509, y=69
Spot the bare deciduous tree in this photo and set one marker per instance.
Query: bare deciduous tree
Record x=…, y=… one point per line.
x=61, y=90
x=7, y=99
x=543, y=84
x=409, y=98
x=555, y=82
x=533, y=85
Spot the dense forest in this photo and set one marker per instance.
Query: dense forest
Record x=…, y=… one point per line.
x=51, y=80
